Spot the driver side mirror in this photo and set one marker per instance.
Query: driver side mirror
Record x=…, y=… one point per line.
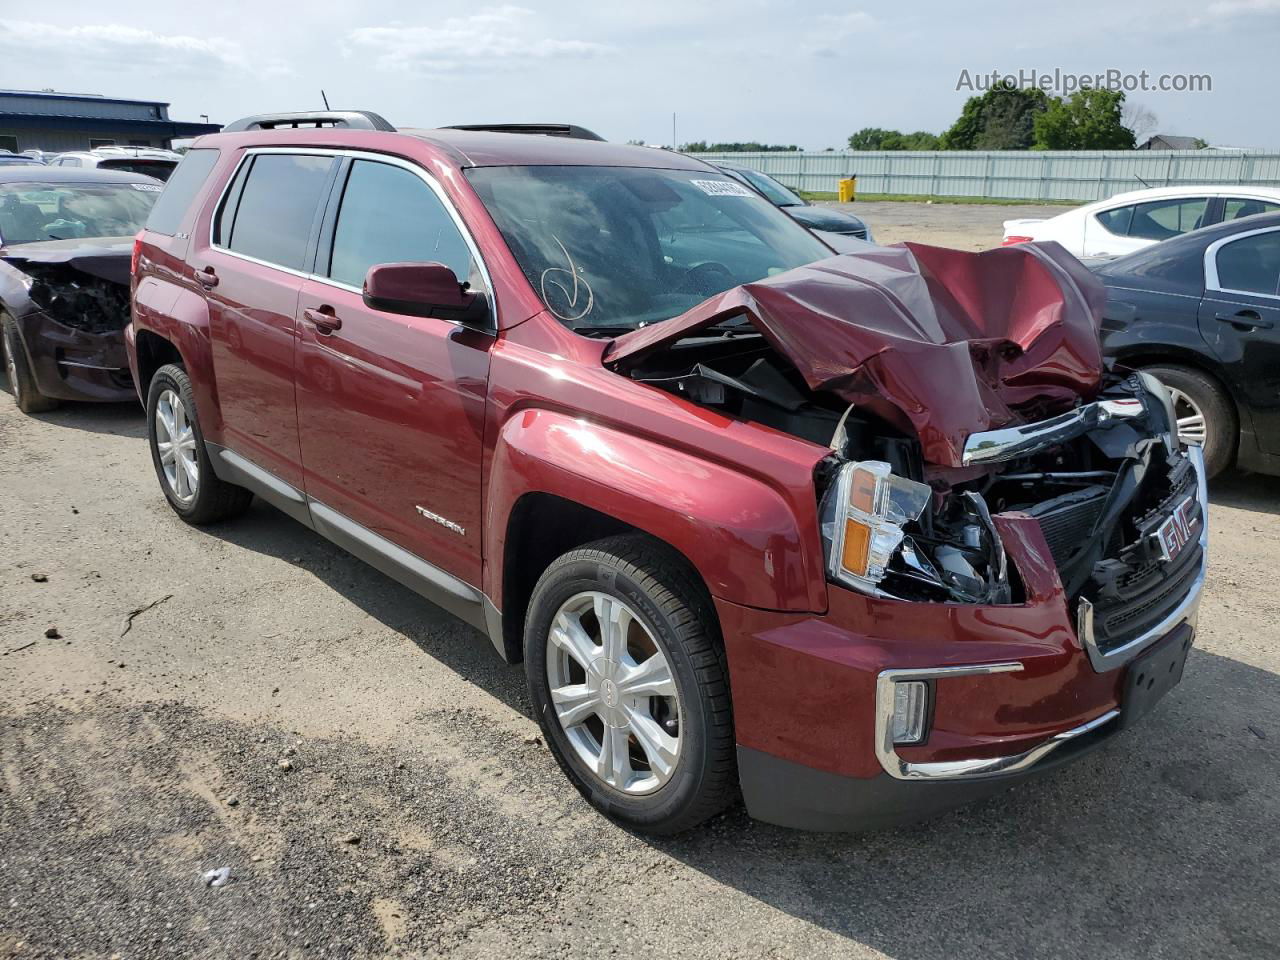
x=424, y=290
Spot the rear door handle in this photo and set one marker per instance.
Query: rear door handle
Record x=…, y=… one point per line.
x=207, y=277
x=323, y=317
x=1245, y=320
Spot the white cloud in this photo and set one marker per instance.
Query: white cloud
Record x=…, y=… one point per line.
x=122, y=48
x=496, y=38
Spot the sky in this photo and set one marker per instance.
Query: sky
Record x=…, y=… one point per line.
x=780, y=72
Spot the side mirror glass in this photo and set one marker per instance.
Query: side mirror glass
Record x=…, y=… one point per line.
x=424, y=290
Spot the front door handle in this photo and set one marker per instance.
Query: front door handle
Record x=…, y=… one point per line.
x=207, y=277
x=1245, y=320
x=324, y=319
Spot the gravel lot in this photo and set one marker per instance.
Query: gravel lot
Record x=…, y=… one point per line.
x=964, y=226
x=248, y=696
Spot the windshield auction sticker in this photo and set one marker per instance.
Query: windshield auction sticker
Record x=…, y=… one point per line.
x=722, y=188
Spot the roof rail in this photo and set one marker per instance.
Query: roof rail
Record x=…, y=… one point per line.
x=349, y=119
x=545, y=129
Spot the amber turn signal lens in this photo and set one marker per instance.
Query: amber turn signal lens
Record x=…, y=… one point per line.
x=862, y=491
x=857, y=543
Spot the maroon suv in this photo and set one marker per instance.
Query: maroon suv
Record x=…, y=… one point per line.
x=857, y=537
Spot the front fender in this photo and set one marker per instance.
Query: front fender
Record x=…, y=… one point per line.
x=737, y=531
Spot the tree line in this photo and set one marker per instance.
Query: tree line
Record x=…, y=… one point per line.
x=1014, y=118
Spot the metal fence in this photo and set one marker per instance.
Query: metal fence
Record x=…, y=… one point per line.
x=1007, y=174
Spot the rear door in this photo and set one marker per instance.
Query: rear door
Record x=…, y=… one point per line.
x=263, y=237
x=1240, y=319
x=391, y=407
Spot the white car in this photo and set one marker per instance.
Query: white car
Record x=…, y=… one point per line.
x=149, y=160
x=1130, y=221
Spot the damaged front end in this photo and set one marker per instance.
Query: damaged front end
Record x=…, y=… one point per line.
x=70, y=299
x=951, y=387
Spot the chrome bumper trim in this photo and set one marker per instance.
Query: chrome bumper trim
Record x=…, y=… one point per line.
x=977, y=769
x=1187, y=611
x=1010, y=443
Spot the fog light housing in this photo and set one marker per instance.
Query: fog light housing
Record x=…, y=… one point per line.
x=910, y=708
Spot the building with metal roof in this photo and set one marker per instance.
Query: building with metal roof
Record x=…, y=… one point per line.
x=58, y=122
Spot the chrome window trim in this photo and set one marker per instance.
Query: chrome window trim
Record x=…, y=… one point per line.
x=975, y=769
x=1186, y=612
x=394, y=161
x=1211, y=281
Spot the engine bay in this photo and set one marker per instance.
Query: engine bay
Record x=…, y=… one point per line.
x=1096, y=492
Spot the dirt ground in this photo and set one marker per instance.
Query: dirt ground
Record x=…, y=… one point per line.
x=964, y=226
x=248, y=696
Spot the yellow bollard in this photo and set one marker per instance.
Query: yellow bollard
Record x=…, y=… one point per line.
x=848, y=189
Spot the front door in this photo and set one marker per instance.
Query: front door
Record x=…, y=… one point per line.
x=391, y=407
x=1240, y=319
x=252, y=274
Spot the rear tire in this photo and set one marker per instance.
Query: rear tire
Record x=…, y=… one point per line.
x=22, y=382
x=641, y=722
x=1202, y=408
x=178, y=452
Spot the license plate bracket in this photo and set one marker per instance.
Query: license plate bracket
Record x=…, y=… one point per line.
x=1154, y=674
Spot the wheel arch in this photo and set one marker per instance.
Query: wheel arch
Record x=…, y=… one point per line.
x=542, y=527
x=1143, y=355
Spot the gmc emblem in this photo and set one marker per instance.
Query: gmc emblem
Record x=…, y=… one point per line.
x=1175, y=532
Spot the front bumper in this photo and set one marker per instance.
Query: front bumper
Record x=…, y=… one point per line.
x=72, y=364
x=1016, y=692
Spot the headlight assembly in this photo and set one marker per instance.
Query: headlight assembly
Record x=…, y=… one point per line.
x=862, y=518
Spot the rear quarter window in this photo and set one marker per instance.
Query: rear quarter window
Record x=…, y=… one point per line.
x=187, y=179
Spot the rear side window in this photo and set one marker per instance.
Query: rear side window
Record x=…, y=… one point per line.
x=389, y=215
x=1251, y=264
x=167, y=215
x=1117, y=221
x=277, y=208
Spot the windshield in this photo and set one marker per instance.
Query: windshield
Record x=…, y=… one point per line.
x=32, y=212
x=771, y=188
x=620, y=247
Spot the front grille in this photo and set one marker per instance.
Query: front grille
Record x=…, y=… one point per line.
x=1133, y=589
x=860, y=233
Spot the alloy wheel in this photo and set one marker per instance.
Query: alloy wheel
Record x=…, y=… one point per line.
x=1191, y=423
x=176, y=446
x=614, y=693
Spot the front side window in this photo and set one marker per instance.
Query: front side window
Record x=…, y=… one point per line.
x=389, y=215
x=276, y=208
x=34, y=212
x=1237, y=207
x=621, y=247
x=1162, y=219
x=1251, y=264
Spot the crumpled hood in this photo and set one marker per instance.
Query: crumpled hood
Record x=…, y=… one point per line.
x=938, y=342
x=824, y=218
x=107, y=258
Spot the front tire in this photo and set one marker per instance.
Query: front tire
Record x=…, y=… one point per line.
x=22, y=382
x=178, y=452
x=628, y=681
x=1205, y=414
